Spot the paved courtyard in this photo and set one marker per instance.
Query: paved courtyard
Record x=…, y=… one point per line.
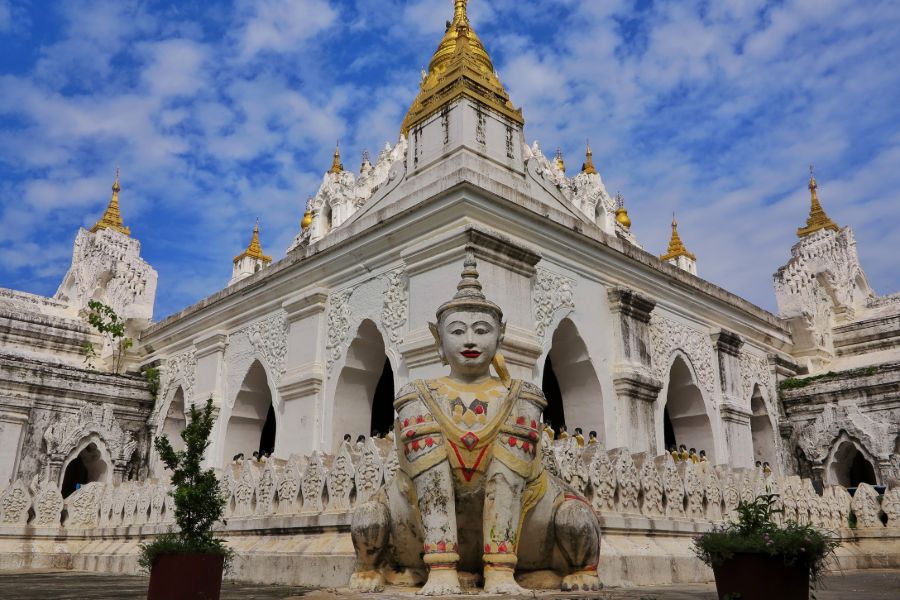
x=72, y=585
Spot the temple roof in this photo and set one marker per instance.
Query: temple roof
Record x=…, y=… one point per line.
x=676, y=246
x=112, y=217
x=254, y=250
x=817, y=218
x=460, y=67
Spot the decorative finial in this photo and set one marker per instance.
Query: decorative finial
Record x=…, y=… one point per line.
x=112, y=216
x=560, y=163
x=307, y=219
x=817, y=218
x=254, y=249
x=676, y=246
x=469, y=294
x=366, y=163
x=460, y=11
x=336, y=165
x=622, y=217
x=588, y=166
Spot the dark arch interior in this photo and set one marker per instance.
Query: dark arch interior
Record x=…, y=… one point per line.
x=668, y=430
x=88, y=466
x=383, y=402
x=267, y=437
x=554, y=413
x=861, y=471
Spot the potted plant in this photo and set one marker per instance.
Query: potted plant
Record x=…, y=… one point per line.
x=754, y=558
x=188, y=564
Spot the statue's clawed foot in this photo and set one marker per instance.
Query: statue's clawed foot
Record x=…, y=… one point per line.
x=367, y=581
x=586, y=581
x=441, y=582
x=501, y=581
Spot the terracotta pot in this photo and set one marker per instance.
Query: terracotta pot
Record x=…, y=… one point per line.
x=186, y=577
x=762, y=577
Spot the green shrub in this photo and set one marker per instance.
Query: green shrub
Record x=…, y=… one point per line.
x=198, y=502
x=755, y=532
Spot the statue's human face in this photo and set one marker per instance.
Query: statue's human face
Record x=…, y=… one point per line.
x=469, y=341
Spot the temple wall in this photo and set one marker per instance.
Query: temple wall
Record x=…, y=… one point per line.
x=289, y=521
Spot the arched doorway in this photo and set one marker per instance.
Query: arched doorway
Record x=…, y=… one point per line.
x=251, y=426
x=761, y=431
x=685, y=411
x=364, y=394
x=849, y=466
x=570, y=383
x=88, y=466
x=175, y=420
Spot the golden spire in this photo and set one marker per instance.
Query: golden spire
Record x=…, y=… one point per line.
x=307, y=219
x=676, y=246
x=622, y=217
x=588, y=166
x=112, y=218
x=254, y=250
x=336, y=165
x=460, y=67
x=817, y=218
x=558, y=161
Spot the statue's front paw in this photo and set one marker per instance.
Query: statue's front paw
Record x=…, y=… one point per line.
x=441, y=582
x=501, y=582
x=582, y=581
x=367, y=581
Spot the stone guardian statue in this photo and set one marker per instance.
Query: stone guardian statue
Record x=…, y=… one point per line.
x=471, y=494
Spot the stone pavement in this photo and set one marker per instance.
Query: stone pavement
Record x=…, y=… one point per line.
x=72, y=585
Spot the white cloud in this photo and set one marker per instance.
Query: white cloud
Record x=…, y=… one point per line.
x=281, y=25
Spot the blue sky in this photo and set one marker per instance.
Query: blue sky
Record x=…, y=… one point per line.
x=219, y=112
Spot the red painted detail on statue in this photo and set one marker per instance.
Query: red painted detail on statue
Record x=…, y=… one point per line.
x=429, y=442
x=533, y=435
x=469, y=440
x=410, y=433
x=467, y=471
x=420, y=419
x=442, y=546
x=415, y=445
x=502, y=547
x=533, y=424
x=512, y=441
x=526, y=446
x=479, y=410
x=406, y=422
x=487, y=548
x=577, y=499
x=520, y=420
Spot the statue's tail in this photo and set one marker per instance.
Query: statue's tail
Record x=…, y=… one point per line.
x=499, y=364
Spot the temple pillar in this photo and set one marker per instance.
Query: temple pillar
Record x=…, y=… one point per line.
x=734, y=410
x=210, y=383
x=636, y=388
x=301, y=388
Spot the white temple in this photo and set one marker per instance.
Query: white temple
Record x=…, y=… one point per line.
x=296, y=353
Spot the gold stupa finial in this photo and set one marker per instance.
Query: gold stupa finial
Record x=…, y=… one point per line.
x=588, y=166
x=254, y=250
x=622, y=217
x=676, y=246
x=817, y=218
x=460, y=67
x=558, y=161
x=307, y=219
x=112, y=217
x=337, y=166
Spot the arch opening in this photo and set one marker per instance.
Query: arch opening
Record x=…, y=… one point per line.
x=85, y=468
x=574, y=396
x=251, y=426
x=685, y=410
x=175, y=420
x=761, y=432
x=364, y=394
x=849, y=466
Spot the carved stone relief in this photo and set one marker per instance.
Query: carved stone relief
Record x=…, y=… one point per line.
x=64, y=434
x=551, y=293
x=339, y=315
x=396, y=305
x=667, y=335
x=264, y=339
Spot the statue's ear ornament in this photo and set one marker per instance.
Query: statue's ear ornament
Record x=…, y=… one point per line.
x=437, y=341
x=499, y=364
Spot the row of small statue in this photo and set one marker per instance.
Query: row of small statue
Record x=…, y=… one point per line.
x=682, y=454
x=564, y=434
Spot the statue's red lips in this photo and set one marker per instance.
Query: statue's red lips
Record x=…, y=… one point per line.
x=471, y=353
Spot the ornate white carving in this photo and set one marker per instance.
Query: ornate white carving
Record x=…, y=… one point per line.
x=673, y=484
x=651, y=489
x=571, y=468
x=264, y=339
x=289, y=487
x=552, y=292
x=83, y=506
x=865, y=507
x=179, y=369
x=890, y=504
x=340, y=479
x=817, y=438
x=312, y=484
x=603, y=481
x=63, y=435
x=667, y=336
x=369, y=472
x=396, y=305
x=244, y=489
x=754, y=370
x=629, y=485
x=48, y=505
x=339, y=320
x=107, y=265
x=265, y=489
x=14, y=504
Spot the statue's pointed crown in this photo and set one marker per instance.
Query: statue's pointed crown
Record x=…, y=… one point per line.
x=469, y=295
